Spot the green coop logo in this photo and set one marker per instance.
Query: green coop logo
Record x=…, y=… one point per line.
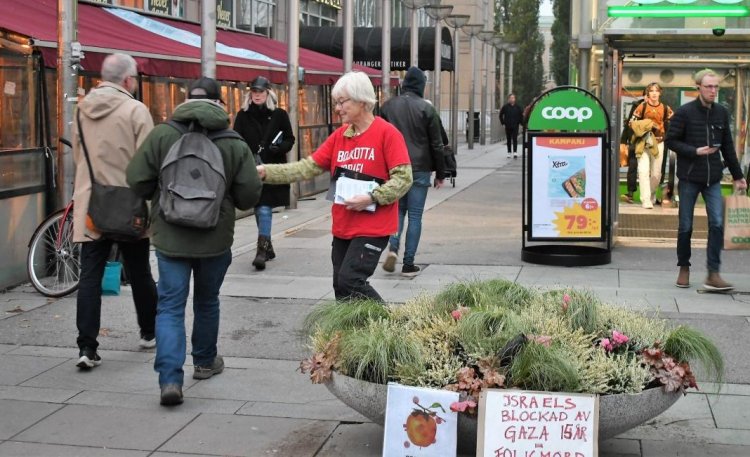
x=568, y=110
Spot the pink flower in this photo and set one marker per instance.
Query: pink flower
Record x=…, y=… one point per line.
x=619, y=338
x=606, y=344
x=456, y=314
x=566, y=302
x=543, y=340
x=460, y=406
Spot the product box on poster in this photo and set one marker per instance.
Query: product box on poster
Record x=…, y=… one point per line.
x=419, y=422
x=518, y=423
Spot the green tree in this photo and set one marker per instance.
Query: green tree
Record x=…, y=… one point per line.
x=520, y=20
x=560, y=59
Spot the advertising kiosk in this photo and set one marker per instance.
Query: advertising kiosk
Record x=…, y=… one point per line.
x=566, y=180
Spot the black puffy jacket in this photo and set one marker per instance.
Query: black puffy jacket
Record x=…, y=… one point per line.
x=693, y=126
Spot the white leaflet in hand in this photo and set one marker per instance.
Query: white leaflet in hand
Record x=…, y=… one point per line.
x=347, y=188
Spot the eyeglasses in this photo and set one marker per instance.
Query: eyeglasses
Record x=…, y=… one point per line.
x=710, y=87
x=341, y=102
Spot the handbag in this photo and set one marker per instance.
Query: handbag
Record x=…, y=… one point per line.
x=116, y=211
x=737, y=221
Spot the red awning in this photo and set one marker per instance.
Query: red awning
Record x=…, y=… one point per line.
x=101, y=33
x=319, y=69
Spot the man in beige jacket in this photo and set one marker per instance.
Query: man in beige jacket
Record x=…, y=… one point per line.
x=113, y=124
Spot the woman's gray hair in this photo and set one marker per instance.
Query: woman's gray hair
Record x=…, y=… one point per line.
x=116, y=67
x=358, y=87
x=272, y=101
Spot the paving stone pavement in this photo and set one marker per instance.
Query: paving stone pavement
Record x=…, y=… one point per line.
x=262, y=406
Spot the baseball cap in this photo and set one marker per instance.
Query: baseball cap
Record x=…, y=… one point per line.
x=260, y=83
x=205, y=87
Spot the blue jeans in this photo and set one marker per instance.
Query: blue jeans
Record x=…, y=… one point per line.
x=173, y=286
x=413, y=204
x=264, y=219
x=689, y=192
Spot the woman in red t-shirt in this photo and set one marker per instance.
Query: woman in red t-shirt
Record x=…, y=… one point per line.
x=365, y=148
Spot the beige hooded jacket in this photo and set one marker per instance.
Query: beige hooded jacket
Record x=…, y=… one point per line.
x=114, y=124
x=643, y=138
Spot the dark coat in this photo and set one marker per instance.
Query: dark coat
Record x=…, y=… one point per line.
x=511, y=115
x=689, y=129
x=258, y=126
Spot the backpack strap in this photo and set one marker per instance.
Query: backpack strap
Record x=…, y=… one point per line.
x=179, y=126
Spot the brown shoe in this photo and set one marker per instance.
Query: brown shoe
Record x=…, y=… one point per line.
x=683, y=279
x=625, y=198
x=714, y=282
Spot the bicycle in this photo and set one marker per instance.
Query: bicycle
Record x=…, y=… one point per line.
x=54, y=259
x=53, y=262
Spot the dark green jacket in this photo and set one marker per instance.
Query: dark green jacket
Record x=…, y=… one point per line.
x=243, y=183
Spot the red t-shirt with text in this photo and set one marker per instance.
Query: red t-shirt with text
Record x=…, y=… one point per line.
x=374, y=152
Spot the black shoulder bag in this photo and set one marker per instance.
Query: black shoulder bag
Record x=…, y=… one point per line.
x=117, y=212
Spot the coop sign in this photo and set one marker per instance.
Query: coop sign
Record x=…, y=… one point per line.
x=571, y=112
x=568, y=110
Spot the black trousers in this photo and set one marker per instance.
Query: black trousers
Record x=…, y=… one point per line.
x=94, y=255
x=511, y=136
x=354, y=261
x=632, y=176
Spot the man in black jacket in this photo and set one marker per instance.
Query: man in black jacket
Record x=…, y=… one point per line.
x=698, y=133
x=511, y=116
x=418, y=122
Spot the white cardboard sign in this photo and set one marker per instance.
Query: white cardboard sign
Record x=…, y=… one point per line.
x=517, y=423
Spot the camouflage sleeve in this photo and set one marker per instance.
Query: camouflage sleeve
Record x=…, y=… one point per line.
x=285, y=173
x=396, y=187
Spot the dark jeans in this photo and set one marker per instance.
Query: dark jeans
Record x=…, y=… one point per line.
x=94, y=255
x=174, y=286
x=354, y=261
x=689, y=192
x=412, y=204
x=632, y=177
x=511, y=136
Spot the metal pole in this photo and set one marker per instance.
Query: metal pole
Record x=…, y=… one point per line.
x=510, y=73
x=414, y=42
x=348, y=8
x=386, y=51
x=292, y=77
x=501, y=95
x=438, y=57
x=208, y=38
x=483, y=110
x=454, y=101
x=472, y=90
x=67, y=96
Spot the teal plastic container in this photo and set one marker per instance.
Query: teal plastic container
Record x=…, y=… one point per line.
x=111, y=278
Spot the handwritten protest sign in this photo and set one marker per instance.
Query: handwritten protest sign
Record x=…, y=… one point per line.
x=517, y=423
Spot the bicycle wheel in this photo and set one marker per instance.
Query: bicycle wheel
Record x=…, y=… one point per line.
x=53, y=262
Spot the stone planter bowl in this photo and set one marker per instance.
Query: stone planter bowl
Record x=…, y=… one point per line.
x=617, y=413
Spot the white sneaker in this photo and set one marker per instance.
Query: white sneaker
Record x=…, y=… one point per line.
x=143, y=343
x=390, y=262
x=648, y=205
x=515, y=155
x=508, y=156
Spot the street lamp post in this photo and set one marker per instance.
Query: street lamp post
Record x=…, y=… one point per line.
x=472, y=30
x=385, y=51
x=414, y=6
x=438, y=13
x=497, y=42
x=348, y=51
x=455, y=21
x=512, y=48
x=486, y=36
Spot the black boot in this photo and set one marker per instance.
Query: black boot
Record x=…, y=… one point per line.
x=270, y=255
x=260, y=254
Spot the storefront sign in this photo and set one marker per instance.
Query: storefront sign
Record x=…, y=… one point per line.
x=334, y=3
x=568, y=110
x=224, y=10
x=567, y=189
x=160, y=6
x=516, y=423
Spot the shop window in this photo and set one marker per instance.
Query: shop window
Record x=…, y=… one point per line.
x=255, y=16
x=17, y=102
